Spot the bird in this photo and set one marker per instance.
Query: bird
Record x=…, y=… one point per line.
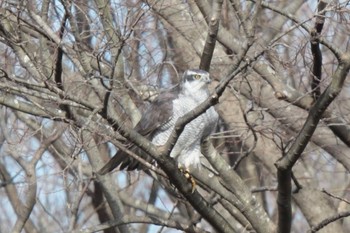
x=158, y=122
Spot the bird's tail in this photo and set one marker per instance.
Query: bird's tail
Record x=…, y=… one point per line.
x=113, y=163
x=125, y=161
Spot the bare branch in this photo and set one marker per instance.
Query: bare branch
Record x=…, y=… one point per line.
x=329, y=220
x=211, y=37
x=148, y=220
x=238, y=188
x=32, y=181
x=293, y=154
x=286, y=163
x=316, y=51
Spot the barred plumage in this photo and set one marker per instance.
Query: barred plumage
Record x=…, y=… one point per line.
x=159, y=120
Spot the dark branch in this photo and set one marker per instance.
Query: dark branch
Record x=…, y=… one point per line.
x=286, y=163
x=169, y=166
x=317, y=66
x=284, y=199
x=316, y=51
x=315, y=114
x=209, y=46
x=58, y=67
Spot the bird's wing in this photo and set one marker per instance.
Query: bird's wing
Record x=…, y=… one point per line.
x=157, y=114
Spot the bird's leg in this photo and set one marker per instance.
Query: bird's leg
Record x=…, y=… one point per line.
x=188, y=176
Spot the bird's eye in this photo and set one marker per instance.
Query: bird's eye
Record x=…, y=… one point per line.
x=197, y=76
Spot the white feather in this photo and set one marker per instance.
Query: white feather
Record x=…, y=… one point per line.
x=187, y=149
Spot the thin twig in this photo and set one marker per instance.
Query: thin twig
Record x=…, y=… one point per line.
x=336, y=197
x=329, y=220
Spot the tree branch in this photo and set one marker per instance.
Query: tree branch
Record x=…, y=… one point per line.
x=143, y=219
x=113, y=200
x=235, y=184
x=17, y=205
x=286, y=163
x=29, y=169
x=329, y=220
x=316, y=51
x=315, y=114
x=213, y=29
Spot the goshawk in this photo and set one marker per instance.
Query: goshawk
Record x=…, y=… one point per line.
x=159, y=120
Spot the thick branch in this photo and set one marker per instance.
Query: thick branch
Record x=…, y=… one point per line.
x=284, y=200
x=286, y=163
x=13, y=195
x=248, y=203
x=16, y=104
x=113, y=200
x=168, y=164
x=29, y=169
x=316, y=51
x=209, y=46
x=315, y=114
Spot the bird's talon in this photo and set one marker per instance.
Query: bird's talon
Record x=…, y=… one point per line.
x=189, y=177
x=193, y=183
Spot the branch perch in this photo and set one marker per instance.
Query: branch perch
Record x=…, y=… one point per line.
x=286, y=163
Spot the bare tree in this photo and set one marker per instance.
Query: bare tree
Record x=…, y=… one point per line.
x=76, y=76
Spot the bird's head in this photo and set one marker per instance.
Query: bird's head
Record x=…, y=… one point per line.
x=195, y=79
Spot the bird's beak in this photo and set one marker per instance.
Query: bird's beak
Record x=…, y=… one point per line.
x=207, y=79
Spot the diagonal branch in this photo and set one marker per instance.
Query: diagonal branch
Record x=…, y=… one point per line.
x=13, y=195
x=177, y=178
x=209, y=46
x=31, y=195
x=329, y=220
x=235, y=184
x=286, y=163
x=315, y=115
x=167, y=163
